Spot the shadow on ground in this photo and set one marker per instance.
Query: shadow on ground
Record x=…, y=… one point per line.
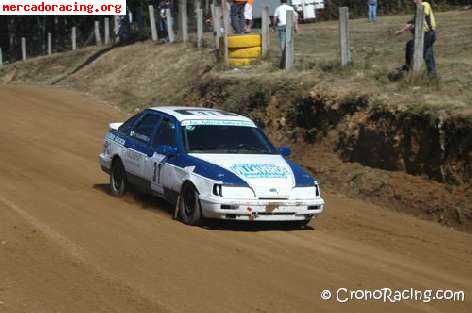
x=156, y=204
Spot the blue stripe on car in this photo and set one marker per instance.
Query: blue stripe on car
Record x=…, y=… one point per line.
x=302, y=177
x=208, y=170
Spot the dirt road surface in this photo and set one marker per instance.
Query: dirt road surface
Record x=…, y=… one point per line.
x=67, y=246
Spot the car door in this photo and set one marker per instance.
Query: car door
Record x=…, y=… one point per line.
x=164, y=145
x=138, y=148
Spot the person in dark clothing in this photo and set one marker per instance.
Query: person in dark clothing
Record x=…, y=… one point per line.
x=429, y=29
x=428, y=54
x=163, y=6
x=238, y=20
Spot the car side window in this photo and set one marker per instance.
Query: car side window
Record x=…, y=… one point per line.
x=165, y=134
x=125, y=128
x=144, y=128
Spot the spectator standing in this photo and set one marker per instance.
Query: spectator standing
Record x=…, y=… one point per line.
x=429, y=30
x=237, y=16
x=372, y=10
x=248, y=15
x=279, y=21
x=163, y=6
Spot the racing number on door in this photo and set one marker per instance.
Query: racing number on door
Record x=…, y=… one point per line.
x=154, y=169
x=156, y=172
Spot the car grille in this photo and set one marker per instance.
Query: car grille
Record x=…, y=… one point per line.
x=270, y=198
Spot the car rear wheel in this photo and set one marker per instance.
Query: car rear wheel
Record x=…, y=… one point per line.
x=118, y=183
x=189, y=206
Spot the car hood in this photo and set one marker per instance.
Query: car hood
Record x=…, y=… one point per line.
x=268, y=175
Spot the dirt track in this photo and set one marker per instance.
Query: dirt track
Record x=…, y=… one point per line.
x=67, y=246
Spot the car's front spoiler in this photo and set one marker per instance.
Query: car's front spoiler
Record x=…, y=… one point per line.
x=261, y=209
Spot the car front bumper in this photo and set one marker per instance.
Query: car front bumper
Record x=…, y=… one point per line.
x=261, y=209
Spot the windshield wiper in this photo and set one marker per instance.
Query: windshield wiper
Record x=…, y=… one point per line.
x=242, y=147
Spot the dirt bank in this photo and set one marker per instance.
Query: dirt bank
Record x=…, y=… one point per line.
x=361, y=148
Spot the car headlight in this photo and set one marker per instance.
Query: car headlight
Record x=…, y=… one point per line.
x=306, y=192
x=106, y=147
x=232, y=192
x=217, y=190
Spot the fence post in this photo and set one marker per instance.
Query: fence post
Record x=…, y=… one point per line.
x=207, y=6
x=74, y=38
x=152, y=19
x=98, y=38
x=226, y=26
x=212, y=9
x=344, y=37
x=289, y=40
x=199, y=28
x=170, y=23
x=116, y=27
x=49, y=44
x=107, y=31
x=216, y=14
x=23, y=48
x=183, y=20
x=419, y=39
x=265, y=30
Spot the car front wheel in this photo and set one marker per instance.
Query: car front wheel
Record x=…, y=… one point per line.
x=118, y=183
x=189, y=206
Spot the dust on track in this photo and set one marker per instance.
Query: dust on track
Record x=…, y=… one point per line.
x=67, y=246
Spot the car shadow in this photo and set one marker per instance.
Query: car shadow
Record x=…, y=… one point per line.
x=156, y=204
x=254, y=226
x=143, y=200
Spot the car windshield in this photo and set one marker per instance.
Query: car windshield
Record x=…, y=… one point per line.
x=226, y=139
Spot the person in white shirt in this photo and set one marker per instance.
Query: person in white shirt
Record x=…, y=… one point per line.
x=280, y=22
x=248, y=15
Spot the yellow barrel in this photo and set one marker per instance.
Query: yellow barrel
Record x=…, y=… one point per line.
x=244, y=41
x=241, y=62
x=244, y=53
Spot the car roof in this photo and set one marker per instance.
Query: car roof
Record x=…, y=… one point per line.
x=199, y=113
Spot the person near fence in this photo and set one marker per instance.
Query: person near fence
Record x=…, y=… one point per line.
x=124, y=28
x=248, y=15
x=279, y=20
x=372, y=10
x=429, y=30
x=163, y=6
x=237, y=16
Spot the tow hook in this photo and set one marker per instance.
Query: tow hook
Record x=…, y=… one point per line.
x=252, y=215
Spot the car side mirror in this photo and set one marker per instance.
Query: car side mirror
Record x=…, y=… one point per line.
x=166, y=150
x=285, y=151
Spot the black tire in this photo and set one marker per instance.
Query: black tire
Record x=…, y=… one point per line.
x=190, y=210
x=118, y=182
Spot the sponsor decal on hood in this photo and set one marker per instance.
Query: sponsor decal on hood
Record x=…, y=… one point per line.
x=268, y=175
x=261, y=170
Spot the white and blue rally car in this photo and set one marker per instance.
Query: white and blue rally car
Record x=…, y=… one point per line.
x=211, y=164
